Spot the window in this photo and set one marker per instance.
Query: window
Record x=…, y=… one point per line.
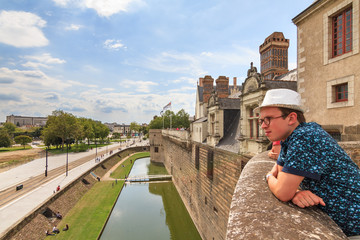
x=197, y=157
x=156, y=149
x=341, y=92
x=253, y=124
x=342, y=33
x=348, y=45
x=210, y=165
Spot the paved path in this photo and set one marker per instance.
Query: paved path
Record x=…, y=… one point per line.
x=18, y=209
x=107, y=177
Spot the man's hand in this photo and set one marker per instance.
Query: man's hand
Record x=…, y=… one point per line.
x=273, y=155
x=307, y=199
x=274, y=171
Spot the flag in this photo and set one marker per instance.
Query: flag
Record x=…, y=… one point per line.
x=167, y=106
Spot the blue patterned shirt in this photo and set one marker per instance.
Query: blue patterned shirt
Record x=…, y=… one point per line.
x=329, y=173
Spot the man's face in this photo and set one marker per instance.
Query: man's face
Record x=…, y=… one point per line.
x=278, y=128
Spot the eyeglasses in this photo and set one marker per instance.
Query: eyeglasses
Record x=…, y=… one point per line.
x=266, y=120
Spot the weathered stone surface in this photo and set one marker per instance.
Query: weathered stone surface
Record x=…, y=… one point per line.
x=256, y=213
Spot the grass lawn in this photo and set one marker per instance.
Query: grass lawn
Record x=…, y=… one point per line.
x=9, y=149
x=55, y=150
x=88, y=216
x=121, y=171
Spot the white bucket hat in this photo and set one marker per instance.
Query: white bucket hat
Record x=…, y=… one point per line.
x=282, y=97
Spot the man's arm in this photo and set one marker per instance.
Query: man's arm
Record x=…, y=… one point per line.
x=285, y=187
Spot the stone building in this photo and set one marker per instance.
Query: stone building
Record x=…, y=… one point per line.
x=252, y=137
x=328, y=66
x=22, y=121
x=274, y=55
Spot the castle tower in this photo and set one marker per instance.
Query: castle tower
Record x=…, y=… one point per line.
x=274, y=55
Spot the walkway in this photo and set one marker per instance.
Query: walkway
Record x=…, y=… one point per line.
x=107, y=177
x=15, y=211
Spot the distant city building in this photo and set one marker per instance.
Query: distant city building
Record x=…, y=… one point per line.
x=274, y=55
x=21, y=121
x=328, y=66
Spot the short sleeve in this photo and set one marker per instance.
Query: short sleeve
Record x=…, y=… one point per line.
x=304, y=155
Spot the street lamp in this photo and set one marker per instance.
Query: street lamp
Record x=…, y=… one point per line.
x=67, y=157
x=46, y=165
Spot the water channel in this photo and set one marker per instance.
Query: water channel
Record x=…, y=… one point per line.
x=151, y=211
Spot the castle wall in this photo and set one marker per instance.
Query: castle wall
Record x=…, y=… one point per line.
x=206, y=196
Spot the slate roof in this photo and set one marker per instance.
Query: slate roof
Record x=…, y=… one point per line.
x=229, y=103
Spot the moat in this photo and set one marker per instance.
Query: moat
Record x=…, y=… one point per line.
x=149, y=210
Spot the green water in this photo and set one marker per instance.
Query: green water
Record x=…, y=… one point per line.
x=151, y=211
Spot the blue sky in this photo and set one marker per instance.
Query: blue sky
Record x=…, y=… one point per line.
x=124, y=60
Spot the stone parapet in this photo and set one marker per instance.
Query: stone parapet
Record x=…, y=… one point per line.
x=180, y=135
x=255, y=213
x=353, y=150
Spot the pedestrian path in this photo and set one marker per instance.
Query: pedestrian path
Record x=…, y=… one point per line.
x=23, y=206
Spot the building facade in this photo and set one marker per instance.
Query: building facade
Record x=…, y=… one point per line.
x=22, y=121
x=214, y=109
x=328, y=66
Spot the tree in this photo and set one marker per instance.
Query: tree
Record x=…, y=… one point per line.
x=178, y=120
x=5, y=140
x=9, y=127
x=103, y=131
x=23, y=140
x=87, y=128
x=156, y=123
x=182, y=119
x=50, y=138
x=62, y=125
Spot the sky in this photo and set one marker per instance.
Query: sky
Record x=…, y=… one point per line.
x=124, y=60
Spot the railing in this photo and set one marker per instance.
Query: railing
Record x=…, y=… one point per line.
x=149, y=178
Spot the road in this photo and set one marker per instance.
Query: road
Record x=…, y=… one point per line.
x=15, y=205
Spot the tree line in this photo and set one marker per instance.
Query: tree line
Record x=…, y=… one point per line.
x=171, y=120
x=61, y=128
x=64, y=128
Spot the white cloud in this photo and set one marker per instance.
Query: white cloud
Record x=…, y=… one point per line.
x=73, y=27
x=106, y=8
x=22, y=29
x=140, y=86
x=44, y=60
x=199, y=64
x=34, y=80
x=113, y=44
x=62, y=3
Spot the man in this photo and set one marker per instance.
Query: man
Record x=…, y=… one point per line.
x=312, y=169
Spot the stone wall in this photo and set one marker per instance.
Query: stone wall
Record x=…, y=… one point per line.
x=206, y=194
x=256, y=214
x=353, y=150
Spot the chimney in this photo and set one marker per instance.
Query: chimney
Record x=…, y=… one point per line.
x=222, y=87
x=208, y=84
x=201, y=82
x=235, y=82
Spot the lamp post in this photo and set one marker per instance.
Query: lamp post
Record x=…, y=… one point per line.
x=46, y=165
x=67, y=157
